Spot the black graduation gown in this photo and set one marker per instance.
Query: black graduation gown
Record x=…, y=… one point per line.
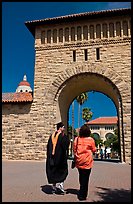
x=59, y=171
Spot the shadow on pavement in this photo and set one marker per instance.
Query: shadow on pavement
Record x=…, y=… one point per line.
x=113, y=195
x=47, y=189
x=72, y=191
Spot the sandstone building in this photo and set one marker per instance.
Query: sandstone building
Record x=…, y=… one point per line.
x=73, y=54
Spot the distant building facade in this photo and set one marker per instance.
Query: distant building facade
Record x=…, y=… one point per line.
x=103, y=127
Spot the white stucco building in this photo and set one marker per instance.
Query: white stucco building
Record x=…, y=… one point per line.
x=103, y=127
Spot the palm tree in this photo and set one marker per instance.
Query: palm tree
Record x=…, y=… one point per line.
x=87, y=114
x=81, y=99
x=71, y=134
x=72, y=119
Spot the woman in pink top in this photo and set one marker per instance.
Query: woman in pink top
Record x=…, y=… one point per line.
x=84, y=147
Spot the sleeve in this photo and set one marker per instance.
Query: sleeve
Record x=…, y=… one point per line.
x=66, y=142
x=93, y=146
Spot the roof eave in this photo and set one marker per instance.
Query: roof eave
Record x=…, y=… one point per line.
x=74, y=17
x=102, y=123
x=17, y=101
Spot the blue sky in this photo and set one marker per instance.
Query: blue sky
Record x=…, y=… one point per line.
x=100, y=105
x=18, y=53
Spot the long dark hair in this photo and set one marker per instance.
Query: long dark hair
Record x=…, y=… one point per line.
x=84, y=131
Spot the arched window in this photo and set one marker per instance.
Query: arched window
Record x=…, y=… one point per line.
x=72, y=34
x=98, y=31
x=91, y=32
x=79, y=33
x=60, y=35
x=67, y=34
x=118, y=29
x=49, y=36
x=125, y=28
x=111, y=30
x=104, y=29
x=43, y=37
x=96, y=136
x=109, y=135
x=54, y=36
x=85, y=32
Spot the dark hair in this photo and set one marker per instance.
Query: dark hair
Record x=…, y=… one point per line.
x=84, y=131
x=60, y=124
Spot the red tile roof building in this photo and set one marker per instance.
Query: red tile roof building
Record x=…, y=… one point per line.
x=103, y=126
x=23, y=93
x=104, y=120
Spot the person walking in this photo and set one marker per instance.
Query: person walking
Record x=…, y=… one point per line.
x=56, y=161
x=101, y=153
x=108, y=152
x=105, y=152
x=84, y=147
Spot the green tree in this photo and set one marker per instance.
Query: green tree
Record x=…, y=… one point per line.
x=98, y=140
x=81, y=99
x=87, y=114
x=113, y=141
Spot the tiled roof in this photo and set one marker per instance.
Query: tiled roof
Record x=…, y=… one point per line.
x=80, y=16
x=104, y=120
x=16, y=97
x=24, y=83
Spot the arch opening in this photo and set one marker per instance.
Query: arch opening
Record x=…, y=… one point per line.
x=104, y=122
x=85, y=82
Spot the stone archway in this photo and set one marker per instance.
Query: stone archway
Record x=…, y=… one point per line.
x=80, y=79
x=65, y=69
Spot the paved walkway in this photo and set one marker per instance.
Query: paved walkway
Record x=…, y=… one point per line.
x=25, y=181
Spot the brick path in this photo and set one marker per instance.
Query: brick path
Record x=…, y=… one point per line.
x=25, y=181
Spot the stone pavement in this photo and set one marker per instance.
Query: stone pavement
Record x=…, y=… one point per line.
x=25, y=181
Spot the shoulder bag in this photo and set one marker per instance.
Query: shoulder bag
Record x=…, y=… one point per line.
x=73, y=161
